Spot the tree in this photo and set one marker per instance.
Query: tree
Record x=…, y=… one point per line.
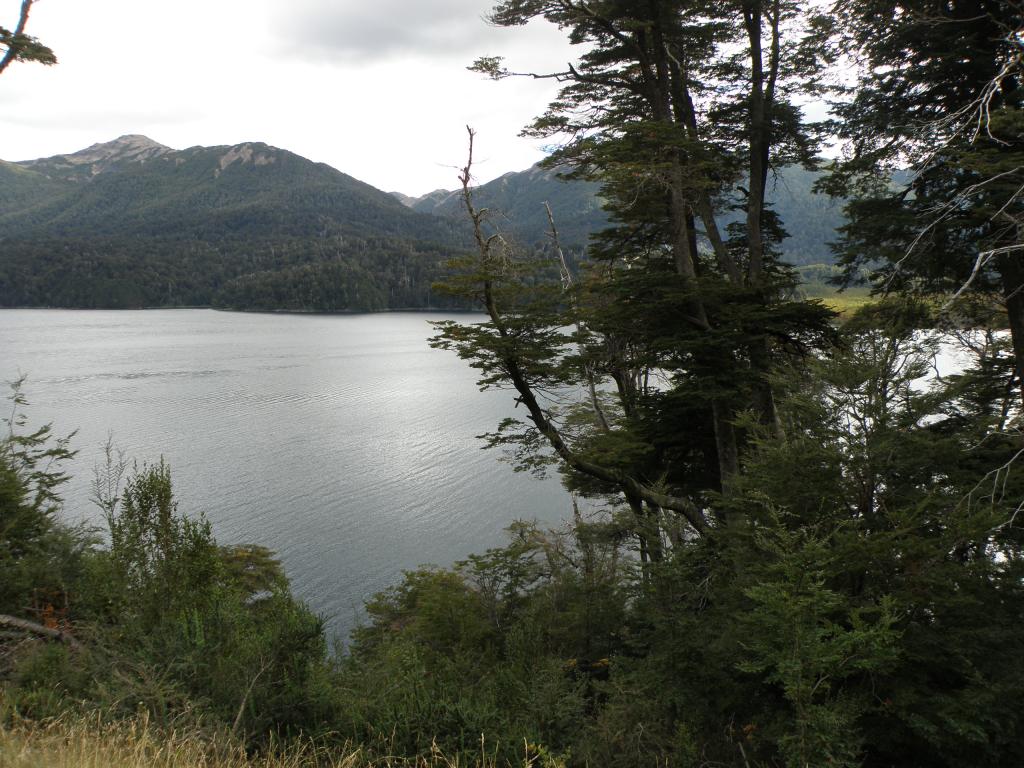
x=17, y=46
x=680, y=113
x=828, y=570
x=938, y=191
x=36, y=551
x=221, y=620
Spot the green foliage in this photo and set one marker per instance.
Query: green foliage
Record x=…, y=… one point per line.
x=955, y=220
x=876, y=481
x=811, y=550
x=506, y=645
x=178, y=230
x=167, y=621
x=22, y=47
x=16, y=45
x=811, y=220
x=222, y=620
x=159, y=557
x=858, y=607
x=858, y=604
x=37, y=555
x=808, y=639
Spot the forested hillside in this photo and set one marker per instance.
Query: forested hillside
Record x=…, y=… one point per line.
x=811, y=220
x=132, y=223
x=517, y=200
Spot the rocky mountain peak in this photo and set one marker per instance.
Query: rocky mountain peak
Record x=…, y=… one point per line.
x=93, y=160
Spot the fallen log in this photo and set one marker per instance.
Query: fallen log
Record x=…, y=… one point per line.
x=38, y=629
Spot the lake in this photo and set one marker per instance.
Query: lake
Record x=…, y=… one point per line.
x=343, y=442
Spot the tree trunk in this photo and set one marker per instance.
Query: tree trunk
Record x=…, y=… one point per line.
x=725, y=443
x=763, y=396
x=1012, y=273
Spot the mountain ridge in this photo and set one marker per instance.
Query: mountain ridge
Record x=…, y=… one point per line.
x=129, y=184
x=99, y=157
x=132, y=222
x=517, y=200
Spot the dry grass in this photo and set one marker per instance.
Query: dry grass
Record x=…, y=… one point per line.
x=68, y=743
x=843, y=302
x=846, y=304
x=91, y=743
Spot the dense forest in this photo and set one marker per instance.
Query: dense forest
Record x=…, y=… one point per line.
x=284, y=273
x=808, y=548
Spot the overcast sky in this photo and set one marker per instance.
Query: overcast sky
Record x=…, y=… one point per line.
x=376, y=88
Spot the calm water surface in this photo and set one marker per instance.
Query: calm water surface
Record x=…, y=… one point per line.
x=345, y=443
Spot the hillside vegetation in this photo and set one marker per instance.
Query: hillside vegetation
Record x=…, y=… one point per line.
x=89, y=742
x=131, y=223
x=811, y=220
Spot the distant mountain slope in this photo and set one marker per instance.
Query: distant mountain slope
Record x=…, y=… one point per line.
x=517, y=199
x=132, y=222
x=137, y=223
x=517, y=202
x=810, y=219
x=22, y=187
x=83, y=165
x=133, y=186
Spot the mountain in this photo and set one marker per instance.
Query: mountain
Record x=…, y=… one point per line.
x=134, y=186
x=134, y=223
x=517, y=204
x=810, y=219
x=426, y=203
x=517, y=201
x=423, y=203
x=84, y=164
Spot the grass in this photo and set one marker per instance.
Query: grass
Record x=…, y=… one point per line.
x=844, y=303
x=89, y=742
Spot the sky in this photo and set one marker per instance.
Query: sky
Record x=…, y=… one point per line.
x=376, y=88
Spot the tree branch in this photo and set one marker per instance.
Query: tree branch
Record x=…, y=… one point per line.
x=21, y=46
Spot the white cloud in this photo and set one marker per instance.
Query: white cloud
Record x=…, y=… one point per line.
x=359, y=32
x=378, y=90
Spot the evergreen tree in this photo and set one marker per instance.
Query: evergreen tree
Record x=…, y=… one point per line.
x=936, y=132
x=36, y=552
x=671, y=108
x=16, y=45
